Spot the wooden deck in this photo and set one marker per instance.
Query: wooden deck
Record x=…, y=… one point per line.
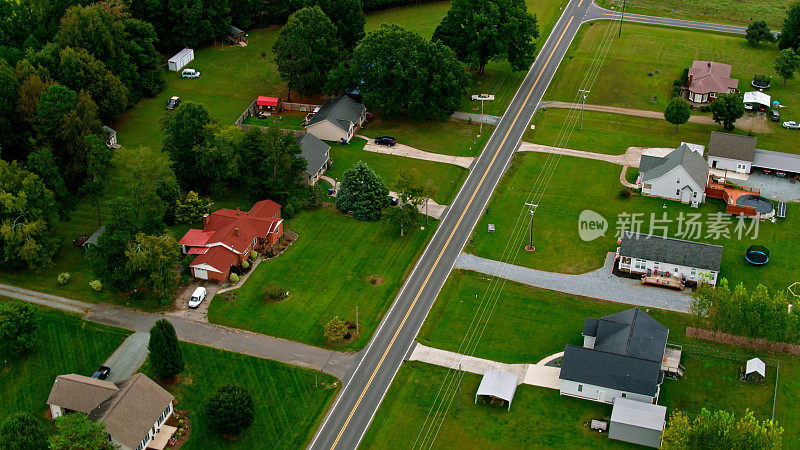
x=658, y=280
x=672, y=360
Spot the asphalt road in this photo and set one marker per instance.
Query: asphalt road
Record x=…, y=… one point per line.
x=598, y=13
x=349, y=418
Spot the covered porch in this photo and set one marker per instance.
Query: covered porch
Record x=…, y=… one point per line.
x=161, y=438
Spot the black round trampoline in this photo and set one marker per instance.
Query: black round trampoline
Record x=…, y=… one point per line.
x=757, y=255
x=762, y=205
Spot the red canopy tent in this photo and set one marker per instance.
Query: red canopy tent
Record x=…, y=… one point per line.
x=268, y=103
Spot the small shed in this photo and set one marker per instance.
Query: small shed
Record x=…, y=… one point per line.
x=755, y=370
x=637, y=422
x=756, y=100
x=268, y=104
x=181, y=59
x=236, y=36
x=111, y=137
x=498, y=384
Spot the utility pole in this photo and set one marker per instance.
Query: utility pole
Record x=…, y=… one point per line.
x=583, y=102
x=622, y=16
x=530, y=246
x=480, y=130
x=356, y=320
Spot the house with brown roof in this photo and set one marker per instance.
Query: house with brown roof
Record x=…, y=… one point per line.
x=228, y=236
x=133, y=410
x=708, y=79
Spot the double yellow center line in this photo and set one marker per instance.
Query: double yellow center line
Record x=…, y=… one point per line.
x=449, y=238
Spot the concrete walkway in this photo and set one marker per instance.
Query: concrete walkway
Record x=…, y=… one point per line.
x=411, y=152
x=600, y=284
x=477, y=118
x=334, y=363
x=128, y=357
x=434, y=209
x=532, y=374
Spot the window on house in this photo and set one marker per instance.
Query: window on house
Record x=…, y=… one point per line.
x=694, y=195
x=624, y=394
x=580, y=388
x=677, y=192
x=678, y=180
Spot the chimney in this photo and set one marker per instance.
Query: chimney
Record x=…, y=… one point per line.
x=709, y=64
x=237, y=211
x=236, y=231
x=205, y=220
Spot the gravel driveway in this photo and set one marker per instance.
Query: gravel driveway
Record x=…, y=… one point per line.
x=128, y=357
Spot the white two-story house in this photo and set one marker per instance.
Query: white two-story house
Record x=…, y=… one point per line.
x=680, y=175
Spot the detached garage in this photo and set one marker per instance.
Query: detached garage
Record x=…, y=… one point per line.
x=637, y=422
x=182, y=58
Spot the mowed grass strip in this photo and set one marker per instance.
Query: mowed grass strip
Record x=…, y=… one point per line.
x=539, y=418
x=445, y=178
x=735, y=12
x=289, y=401
x=528, y=324
x=582, y=184
x=327, y=270
x=449, y=138
x=66, y=344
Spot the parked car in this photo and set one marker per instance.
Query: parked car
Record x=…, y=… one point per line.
x=173, y=102
x=102, y=373
x=780, y=174
x=386, y=140
x=482, y=97
x=393, y=201
x=198, y=296
x=766, y=171
x=774, y=115
x=190, y=73
x=792, y=125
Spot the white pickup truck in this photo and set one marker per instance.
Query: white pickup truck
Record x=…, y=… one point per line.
x=482, y=97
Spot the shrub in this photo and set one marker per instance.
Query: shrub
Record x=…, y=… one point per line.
x=625, y=193
x=96, y=285
x=274, y=293
x=234, y=278
x=18, y=325
x=230, y=410
x=335, y=331
x=23, y=431
x=253, y=254
x=245, y=264
x=63, y=278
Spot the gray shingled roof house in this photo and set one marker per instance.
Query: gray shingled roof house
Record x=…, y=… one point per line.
x=337, y=120
x=316, y=154
x=691, y=261
x=132, y=410
x=680, y=175
x=731, y=152
x=620, y=358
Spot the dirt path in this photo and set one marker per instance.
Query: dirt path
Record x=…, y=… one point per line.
x=411, y=152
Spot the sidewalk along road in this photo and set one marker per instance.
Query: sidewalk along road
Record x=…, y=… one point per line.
x=347, y=421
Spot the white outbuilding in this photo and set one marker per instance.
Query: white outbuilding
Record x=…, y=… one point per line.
x=181, y=59
x=637, y=422
x=498, y=384
x=755, y=98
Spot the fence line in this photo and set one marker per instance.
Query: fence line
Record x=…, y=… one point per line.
x=247, y=128
x=245, y=114
x=299, y=106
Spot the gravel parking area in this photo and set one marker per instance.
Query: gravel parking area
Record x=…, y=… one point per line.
x=773, y=187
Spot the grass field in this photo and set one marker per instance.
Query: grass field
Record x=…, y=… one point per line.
x=287, y=120
x=446, y=178
x=555, y=234
x=288, y=405
x=736, y=12
x=327, y=271
x=528, y=324
x=449, y=138
x=647, y=59
x=66, y=344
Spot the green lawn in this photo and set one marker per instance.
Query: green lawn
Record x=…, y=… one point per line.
x=528, y=324
x=555, y=234
x=287, y=120
x=66, y=344
x=288, y=405
x=449, y=138
x=446, y=178
x=327, y=271
x=647, y=59
x=736, y=12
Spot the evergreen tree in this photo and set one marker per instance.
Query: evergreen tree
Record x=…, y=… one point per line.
x=165, y=356
x=362, y=192
x=759, y=31
x=18, y=325
x=230, y=410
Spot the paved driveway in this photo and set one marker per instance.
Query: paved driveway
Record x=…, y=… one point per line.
x=128, y=357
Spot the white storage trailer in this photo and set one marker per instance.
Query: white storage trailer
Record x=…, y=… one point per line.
x=182, y=58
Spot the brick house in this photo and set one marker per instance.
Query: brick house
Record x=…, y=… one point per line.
x=228, y=236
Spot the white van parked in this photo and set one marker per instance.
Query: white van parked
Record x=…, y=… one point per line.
x=198, y=296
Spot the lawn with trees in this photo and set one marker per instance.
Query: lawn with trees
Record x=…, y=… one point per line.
x=65, y=344
x=289, y=401
x=354, y=262
x=740, y=12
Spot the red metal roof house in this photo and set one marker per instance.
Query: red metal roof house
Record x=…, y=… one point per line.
x=228, y=236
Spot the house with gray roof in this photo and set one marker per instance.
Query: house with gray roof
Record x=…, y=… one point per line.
x=680, y=175
x=620, y=358
x=690, y=261
x=133, y=410
x=316, y=154
x=731, y=153
x=337, y=120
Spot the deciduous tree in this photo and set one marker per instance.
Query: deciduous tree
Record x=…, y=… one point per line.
x=272, y=165
x=153, y=259
x=22, y=431
x=347, y=16
x=482, y=30
x=108, y=256
x=786, y=64
x=335, y=331
x=76, y=432
x=152, y=188
x=166, y=357
x=720, y=430
x=307, y=48
x=18, y=325
x=98, y=165
x=726, y=109
x=192, y=209
x=678, y=112
x=184, y=22
x=79, y=70
x=790, y=34
x=230, y=410
x=184, y=130
x=759, y=31
x=362, y=192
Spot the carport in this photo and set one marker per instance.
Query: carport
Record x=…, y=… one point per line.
x=778, y=161
x=756, y=100
x=498, y=384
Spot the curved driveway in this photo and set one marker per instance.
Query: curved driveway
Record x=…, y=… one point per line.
x=348, y=419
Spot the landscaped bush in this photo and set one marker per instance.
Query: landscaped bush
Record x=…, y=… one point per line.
x=253, y=254
x=96, y=285
x=625, y=193
x=63, y=278
x=335, y=331
x=234, y=278
x=230, y=410
x=274, y=293
x=245, y=264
